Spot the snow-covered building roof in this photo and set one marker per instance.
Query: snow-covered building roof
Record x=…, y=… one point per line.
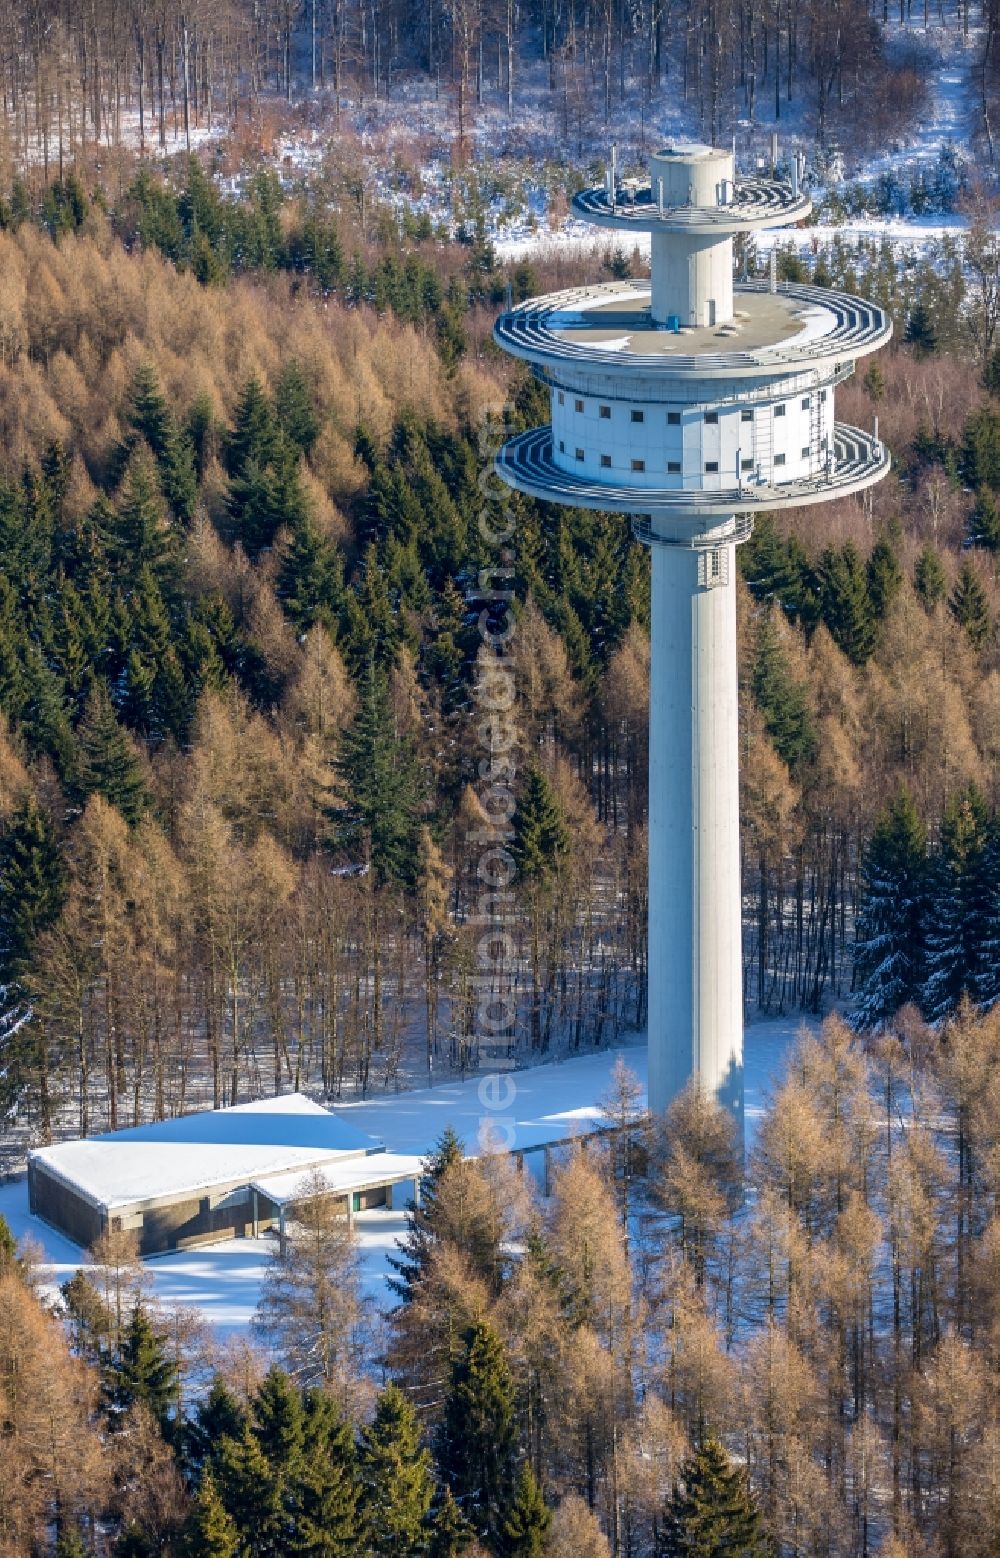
x=341, y=1178
x=196, y=1153
x=518, y=1110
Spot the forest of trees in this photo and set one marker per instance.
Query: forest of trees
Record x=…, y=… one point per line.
x=78, y=80
x=654, y=1361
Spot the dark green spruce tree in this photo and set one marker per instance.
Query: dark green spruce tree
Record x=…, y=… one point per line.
x=477, y=1439
x=423, y=1219
x=781, y=699
x=541, y=836
x=889, y=953
x=958, y=905
x=210, y=1531
x=969, y=606
x=712, y=1512
x=151, y=418
x=528, y=1522
x=929, y=578
x=397, y=1480
x=142, y=1372
x=108, y=764
x=380, y=821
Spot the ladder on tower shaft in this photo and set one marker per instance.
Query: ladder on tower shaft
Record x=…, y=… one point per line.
x=817, y=454
x=763, y=443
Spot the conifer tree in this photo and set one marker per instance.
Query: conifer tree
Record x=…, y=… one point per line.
x=889, y=950
x=712, y=1511
x=253, y=1493
x=142, y=1370
x=422, y=1219
x=296, y=409
x=846, y=603
x=216, y=1417
x=781, y=700
x=984, y=522
x=984, y=976
x=450, y=1532
x=540, y=833
x=396, y=1478
x=969, y=606
x=32, y=884
x=152, y=419
x=108, y=764
x=477, y=1438
x=310, y=583
x=381, y=817
x=142, y=536
x=210, y=1531
x=929, y=578
x=528, y=1521
x=885, y=577
x=958, y=905
x=323, y=1492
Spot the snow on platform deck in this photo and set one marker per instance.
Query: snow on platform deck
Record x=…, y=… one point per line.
x=194, y=1153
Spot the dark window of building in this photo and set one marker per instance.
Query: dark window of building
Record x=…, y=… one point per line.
x=822, y=396
x=805, y=452
x=638, y=416
x=579, y=454
x=746, y=463
x=605, y=460
x=779, y=411
x=711, y=416
x=711, y=466
x=562, y=398
x=779, y=459
x=673, y=419
x=638, y=465
x=578, y=405
x=674, y=467
x=606, y=412
x=806, y=402
x=562, y=447
x=746, y=416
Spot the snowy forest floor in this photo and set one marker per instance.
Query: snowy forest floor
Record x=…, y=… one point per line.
x=221, y=1282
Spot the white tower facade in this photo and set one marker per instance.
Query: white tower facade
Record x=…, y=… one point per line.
x=691, y=404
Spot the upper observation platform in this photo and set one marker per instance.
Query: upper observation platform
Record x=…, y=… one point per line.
x=692, y=189
x=612, y=329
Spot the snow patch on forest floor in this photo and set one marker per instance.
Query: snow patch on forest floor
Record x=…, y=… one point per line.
x=222, y=1282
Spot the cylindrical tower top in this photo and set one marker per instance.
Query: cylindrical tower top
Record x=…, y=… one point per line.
x=692, y=176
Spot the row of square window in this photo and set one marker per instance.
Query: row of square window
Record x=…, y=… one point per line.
x=674, y=417
x=747, y=461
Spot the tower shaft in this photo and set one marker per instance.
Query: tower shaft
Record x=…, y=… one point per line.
x=695, y=964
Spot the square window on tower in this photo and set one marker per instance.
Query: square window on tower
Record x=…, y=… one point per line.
x=562, y=446
x=578, y=405
x=806, y=402
x=606, y=413
x=746, y=416
x=711, y=466
x=638, y=416
x=711, y=416
x=606, y=460
x=638, y=465
x=673, y=419
x=579, y=454
x=562, y=398
x=746, y=462
x=779, y=411
x=805, y=452
x=674, y=467
x=779, y=459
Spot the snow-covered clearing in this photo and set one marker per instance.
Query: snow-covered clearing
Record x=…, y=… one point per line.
x=222, y=1281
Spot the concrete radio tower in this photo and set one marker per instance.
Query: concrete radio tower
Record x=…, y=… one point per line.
x=691, y=404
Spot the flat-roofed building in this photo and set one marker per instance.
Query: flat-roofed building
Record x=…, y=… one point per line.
x=185, y=1181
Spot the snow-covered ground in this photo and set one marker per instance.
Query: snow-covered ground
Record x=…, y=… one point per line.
x=222, y=1281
